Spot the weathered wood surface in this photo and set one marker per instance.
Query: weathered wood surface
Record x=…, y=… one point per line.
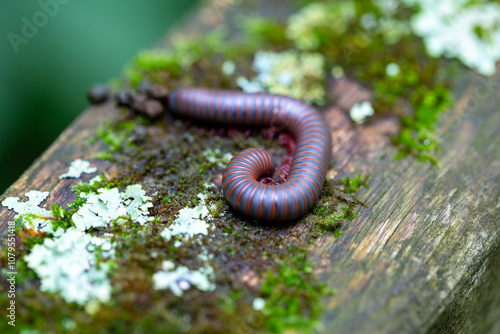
x=423, y=256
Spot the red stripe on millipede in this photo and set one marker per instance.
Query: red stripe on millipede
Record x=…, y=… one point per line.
x=256, y=186
x=295, y=198
x=310, y=160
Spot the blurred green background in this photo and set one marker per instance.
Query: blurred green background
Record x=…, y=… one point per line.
x=43, y=85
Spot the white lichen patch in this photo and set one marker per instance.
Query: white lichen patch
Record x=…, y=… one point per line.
x=190, y=222
x=209, y=185
x=182, y=278
x=258, y=304
x=31, y=206
x=462, y=29
x=214, y=156
x=392, y=70
x=29, y=212
x=228, y=67
x=96, y=179
x=299, y=75
x=67, y=265
x=337, y=72
x=204, y=256
x=77, y=168
x=110, y=205
x=360, y=111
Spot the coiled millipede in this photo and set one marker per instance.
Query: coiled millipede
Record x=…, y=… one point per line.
x=265, y=202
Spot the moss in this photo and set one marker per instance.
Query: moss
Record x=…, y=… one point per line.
x=189, y=62
x=29, y=239
x=62, y=218
x=318, y=23
x=352, y=185
x=337, y=204
x=252, y=261
x=116, y=137
x=265, y=32
x=364, y=54
x=292, y=294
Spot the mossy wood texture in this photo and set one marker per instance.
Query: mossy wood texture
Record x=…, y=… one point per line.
x=421, y=254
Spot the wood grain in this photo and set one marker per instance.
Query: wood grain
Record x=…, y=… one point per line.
x=427, y=233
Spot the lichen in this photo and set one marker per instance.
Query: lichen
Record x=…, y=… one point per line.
x=29, y=213
x=67, y=264
x=392, y=70
x=111, y=205
x=77, y=168
x=360, y=111
x=190, y=222
x=182, y=278
x=299, y=75
x=463, y=29
x=31, y=206
x=258, y=304
x=371, y=42
x=375, y=38
x=214, y=157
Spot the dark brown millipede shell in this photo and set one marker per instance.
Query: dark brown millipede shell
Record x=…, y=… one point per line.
x=265, y=202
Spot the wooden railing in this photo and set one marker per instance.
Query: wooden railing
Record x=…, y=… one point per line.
x=422, y=256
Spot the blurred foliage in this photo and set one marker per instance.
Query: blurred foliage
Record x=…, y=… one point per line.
x=43, y=85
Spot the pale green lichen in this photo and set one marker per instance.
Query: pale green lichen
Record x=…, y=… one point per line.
x=96, y=179
x=214, y=156
x=31, y=206
x=392, y=70
x=67, y=265
x=258, y=304
x=30, y=214
x=228, y=67
x=463, y=29
x=77, y=168
x=71, y=263
x=182, y=278
x=360, y=111
x=190, y=222
x=337, y=72
x=111, y=205
x=299, y=75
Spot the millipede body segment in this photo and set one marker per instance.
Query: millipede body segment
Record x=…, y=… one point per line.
x=265, y=202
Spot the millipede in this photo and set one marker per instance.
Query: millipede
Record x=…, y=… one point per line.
x=241, y=188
